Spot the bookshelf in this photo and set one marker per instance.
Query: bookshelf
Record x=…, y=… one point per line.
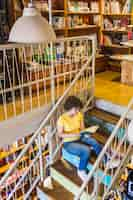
x=109, y=19
x=116, y=17
x=9, y=153
x=83, y=16
x=6, y=19
x=68, y=16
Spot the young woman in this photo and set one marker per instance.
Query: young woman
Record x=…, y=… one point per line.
x=69, y=126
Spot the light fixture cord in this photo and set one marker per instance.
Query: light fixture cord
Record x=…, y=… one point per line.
x=31, y=4
x=31, y=1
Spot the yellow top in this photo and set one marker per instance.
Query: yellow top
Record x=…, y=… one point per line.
x=71, y=125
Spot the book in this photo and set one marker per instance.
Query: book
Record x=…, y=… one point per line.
x=94, y=6
x=115, y=7
x=127, y=7
x=91, y=129
x=106, y=7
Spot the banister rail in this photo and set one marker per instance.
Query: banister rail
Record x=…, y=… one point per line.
x=105, y=149
x=78, y=85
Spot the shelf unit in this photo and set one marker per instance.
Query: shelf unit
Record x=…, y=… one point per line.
x=116, y=16
x=72, y=18
x=60, y=8
x=5, y=19
x=69, y=12
x=8, y=154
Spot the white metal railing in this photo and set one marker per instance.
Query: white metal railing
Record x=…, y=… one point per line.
x=30, y=75
x=119, y=149
x=73, y=76
x=117, y=189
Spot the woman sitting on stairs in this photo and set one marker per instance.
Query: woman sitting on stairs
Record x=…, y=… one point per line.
x=69, y=125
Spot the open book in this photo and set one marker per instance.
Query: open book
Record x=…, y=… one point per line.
x=91, y=129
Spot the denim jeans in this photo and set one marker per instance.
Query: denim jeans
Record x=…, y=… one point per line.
x=80, y=149
x=87, y=139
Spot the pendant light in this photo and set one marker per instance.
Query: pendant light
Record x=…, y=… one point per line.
x=31, y=27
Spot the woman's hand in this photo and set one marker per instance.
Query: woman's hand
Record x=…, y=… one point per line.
x=61, y=133
x=64, y=135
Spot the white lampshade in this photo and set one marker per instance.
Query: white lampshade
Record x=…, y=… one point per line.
x=31, y=28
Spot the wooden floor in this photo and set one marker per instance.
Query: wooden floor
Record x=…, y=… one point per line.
x=38, y=101
x=105, y=88
x=112, y=91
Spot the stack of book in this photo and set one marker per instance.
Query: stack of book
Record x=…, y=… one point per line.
x=58, y=22
x=78, y=6
x=77, y=20
x=115, y=7
x=41, y=5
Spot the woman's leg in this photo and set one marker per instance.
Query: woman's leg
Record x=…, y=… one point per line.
x=80, y=150
x=92, y=142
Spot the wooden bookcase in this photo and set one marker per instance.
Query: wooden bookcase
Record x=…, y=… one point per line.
x=76, y=22
x=61, y=8
x=116, y=24
x=8, y=154
x=73, y=18
x=6, y=19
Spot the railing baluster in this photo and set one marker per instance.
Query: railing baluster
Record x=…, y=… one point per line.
x=32, y=169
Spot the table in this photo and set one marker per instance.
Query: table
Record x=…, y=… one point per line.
x=126, y=67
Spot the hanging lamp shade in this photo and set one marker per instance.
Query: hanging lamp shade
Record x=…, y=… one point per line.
x=31, y=28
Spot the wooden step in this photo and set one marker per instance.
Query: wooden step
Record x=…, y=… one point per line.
x=68, y=178
x=115, y=107
x=57, y=193
x=103, y=115
x=100, y=137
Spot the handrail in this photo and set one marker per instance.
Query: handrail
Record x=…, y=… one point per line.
x=30, y=69
x=17, y=45
x=104, y=150
x=44, y=122
x=80, y=76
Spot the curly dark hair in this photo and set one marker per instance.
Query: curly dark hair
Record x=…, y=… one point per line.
x=71, y=102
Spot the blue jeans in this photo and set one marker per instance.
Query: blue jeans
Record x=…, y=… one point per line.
x=82, y=150
x=87, y=139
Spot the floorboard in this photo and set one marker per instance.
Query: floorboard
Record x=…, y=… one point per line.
x=105, y=88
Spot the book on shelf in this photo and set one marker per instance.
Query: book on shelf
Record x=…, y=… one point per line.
x=81, y=6
x=82, y=21
x=116, y=24
x=76, y=20
x=78, y=6
x=94, y=6
x=127, y=7
x=115, y=7
x=41, y=5
x=106, y=7
x=107, y=41
x=96, y=20
x=58, y=22
x=115, y=39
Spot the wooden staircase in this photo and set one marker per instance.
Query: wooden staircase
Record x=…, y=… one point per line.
x=103, y=115
x=66, y=182
x=58, y=192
